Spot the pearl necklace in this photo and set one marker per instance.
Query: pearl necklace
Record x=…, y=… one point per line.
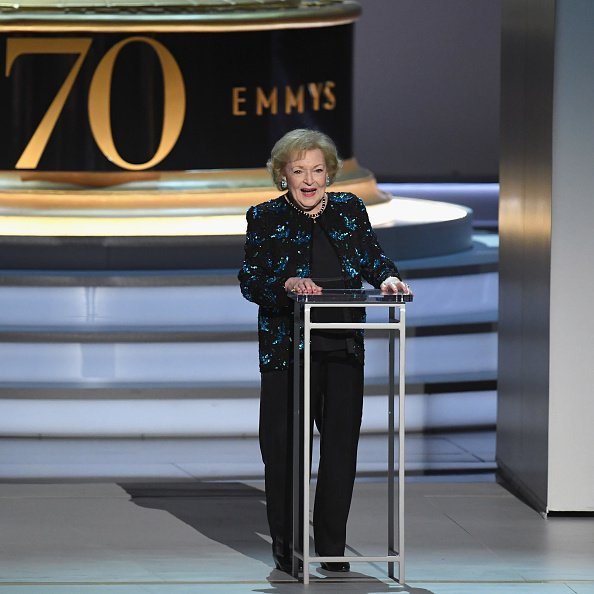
x=313, y=217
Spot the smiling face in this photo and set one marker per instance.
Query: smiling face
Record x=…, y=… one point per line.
x=306, y=178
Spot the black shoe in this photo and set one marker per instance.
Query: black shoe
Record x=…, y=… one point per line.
x=336, y=566
x=283, y=559
x=285, y=563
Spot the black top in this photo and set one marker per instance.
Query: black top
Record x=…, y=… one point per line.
x=327, y=273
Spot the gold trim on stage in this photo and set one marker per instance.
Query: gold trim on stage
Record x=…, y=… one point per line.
x=138, y=225
x=175, y=27
x=216, y=201
x=220, y=190
x=148, y=203
x=175, y=17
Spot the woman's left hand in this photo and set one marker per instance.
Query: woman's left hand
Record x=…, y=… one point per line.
x=394, y=285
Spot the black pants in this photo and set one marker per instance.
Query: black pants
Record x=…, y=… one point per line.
x=337, y=406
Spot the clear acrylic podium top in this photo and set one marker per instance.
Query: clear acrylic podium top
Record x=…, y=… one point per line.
x=346, y=296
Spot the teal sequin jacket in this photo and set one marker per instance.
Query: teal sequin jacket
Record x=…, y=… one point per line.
x=277, y=247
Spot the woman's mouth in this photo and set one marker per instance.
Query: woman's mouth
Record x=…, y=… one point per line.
x=308, y=192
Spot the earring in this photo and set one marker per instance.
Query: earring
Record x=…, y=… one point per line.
x=283, y=184
x=328, y=182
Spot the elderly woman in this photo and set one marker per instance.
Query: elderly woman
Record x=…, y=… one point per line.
x=306, y=240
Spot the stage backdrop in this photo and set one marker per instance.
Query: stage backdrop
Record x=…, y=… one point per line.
x=89, y=101
x=157, y=121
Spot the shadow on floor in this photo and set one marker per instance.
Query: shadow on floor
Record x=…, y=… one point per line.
x=354, y=583
x=234, y=514
x=231, y=513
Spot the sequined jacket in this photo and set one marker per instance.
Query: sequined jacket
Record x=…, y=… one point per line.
x=278, y=246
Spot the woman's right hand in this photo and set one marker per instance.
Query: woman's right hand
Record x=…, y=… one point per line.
x=304, y=286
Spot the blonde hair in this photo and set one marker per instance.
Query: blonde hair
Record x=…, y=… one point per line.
x=297, y=142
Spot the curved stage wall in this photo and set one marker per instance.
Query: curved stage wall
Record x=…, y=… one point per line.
x=102, y=352
x=129, y=122
x=174, y=353
x=137, y=140
x=406, y=227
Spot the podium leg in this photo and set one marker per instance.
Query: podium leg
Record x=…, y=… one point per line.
x=391, y=423
x=401, y=438
x=296, y=490
x=306, y=438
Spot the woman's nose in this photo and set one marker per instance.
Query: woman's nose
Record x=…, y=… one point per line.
x=308, y=177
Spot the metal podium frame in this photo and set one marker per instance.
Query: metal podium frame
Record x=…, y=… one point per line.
x=301, y=456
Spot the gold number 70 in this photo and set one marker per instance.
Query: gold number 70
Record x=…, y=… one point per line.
x=99, y=104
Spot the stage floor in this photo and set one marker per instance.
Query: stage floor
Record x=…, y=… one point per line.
x=460, y=453
x=465, y=534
